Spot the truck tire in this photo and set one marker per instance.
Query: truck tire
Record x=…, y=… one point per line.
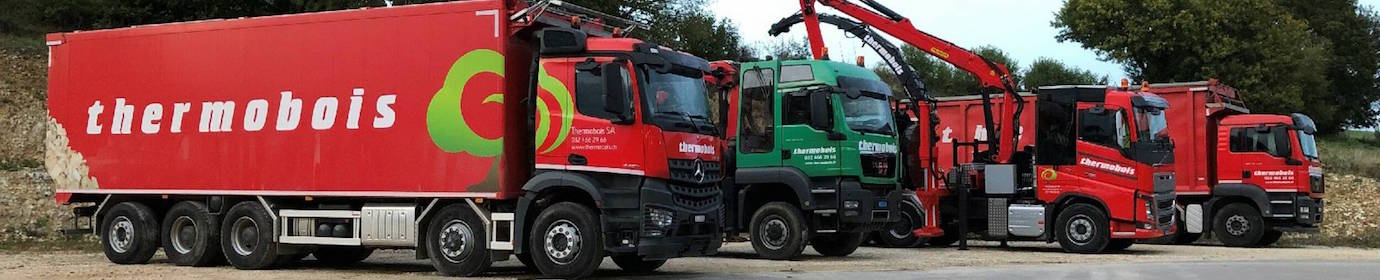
x=457, y=242
x=778, y=231
x=191, y=236
x=901, y=234
x=1238, y=225
x=1119, y=244
x=341, y=255
x=247, y=237
x=129, y=233
x=1271, y=236
x=1183, y=237
x=566, y=241
x=636, y=264
x=837, y=245
x=1083, y=229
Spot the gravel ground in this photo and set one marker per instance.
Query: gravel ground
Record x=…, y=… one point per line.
x=735, y=259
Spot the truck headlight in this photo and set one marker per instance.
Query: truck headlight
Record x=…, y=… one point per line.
x=850, y=204
x=658, y=220
x=1149, y=215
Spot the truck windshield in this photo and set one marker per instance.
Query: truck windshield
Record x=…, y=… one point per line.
x=1308, y=143
x=1151, y=125
x=868, y=113
x=674, y=96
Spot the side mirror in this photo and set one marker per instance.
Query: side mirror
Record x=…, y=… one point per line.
x=616, y=92
x=821, y=115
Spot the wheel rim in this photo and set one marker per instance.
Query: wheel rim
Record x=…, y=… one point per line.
x=455, y=239
x=121, y=236
x=775, y=232
x=904, y=228
x=1238, y=225
x=563, y=242
x=183, y=234
x=1081, y=230
x=245, y=237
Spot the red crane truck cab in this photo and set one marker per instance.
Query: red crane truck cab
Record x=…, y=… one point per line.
x=471, y=131
x=1253, y=177
x=1094, y=162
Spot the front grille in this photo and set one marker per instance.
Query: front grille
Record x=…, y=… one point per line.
x=697, y=197
x=878, y=165
x=695, y=171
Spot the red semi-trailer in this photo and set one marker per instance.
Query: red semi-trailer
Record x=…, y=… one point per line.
x=470, y=131
x=1253, y=176
x=1094, y=170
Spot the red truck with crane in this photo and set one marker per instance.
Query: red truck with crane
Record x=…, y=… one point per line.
x=471, y=131
x=1253, y=177
x=1020, y=189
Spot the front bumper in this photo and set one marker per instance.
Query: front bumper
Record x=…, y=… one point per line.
x=856, y=209
x=696, y=215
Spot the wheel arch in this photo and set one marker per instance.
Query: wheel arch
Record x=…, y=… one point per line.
x=549, y=188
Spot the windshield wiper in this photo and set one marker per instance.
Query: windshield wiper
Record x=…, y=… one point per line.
x=690, y=119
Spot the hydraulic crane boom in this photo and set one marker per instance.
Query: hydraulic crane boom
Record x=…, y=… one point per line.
x=988, y=73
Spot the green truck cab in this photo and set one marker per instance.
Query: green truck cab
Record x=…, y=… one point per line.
x=814, y=157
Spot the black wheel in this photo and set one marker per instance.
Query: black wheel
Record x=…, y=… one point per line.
x=247, y=237
x=1270, y=237
x=1182, y=236
x=901, y=234
x=1083, y=228
x=191, y=237
x=1119, y=244
x=1238, y=225
x=636, y=264
x=526, y=260
x=837, y=245
x=457, y=242
x=129, y=233
x=566, y=241
x=778, y=231
x=341, y=255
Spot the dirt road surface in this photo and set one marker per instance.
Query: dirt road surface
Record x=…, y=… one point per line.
x=735, y=259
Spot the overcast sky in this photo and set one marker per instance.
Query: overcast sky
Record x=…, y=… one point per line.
x=1019, y=27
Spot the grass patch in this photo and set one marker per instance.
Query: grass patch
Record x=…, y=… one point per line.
x=81, y=243
x=1352, y=152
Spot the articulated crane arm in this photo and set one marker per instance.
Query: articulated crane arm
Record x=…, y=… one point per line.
x=988, y=73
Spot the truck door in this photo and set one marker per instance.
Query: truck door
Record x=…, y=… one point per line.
x=1103, y=170
x=588, y=136
x=1258, y=155
x=803, y=145
x=757, y=119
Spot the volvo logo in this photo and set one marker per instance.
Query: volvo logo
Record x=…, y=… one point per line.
x=698, y=175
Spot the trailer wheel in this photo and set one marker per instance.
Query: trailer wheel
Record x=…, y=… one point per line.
x=341, y=255
x=566, y=241
x=778, y=231
x=247, y=237
x=1119, y=244
x=191, y=236
x=636, y=264
x=130, y=233
x=1083, y=229
x=901, y=234
x=1270, y=237
x=457, y=242
x=1238, y=225
x=837, y=245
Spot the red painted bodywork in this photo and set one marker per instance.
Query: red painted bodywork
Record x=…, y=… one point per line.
x=1123, y=194
x=1211, y=110
x=405, y=52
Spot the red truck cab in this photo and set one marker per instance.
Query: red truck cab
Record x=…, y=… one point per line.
x=1252, y=177
x=1093, y=161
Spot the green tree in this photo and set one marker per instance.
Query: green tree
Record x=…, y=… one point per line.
x=785, y=49
x=1048, y=71
x=1258, y=46
x=1354, y=37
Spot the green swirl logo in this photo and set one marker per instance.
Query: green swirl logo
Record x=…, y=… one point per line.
x=445, y=118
